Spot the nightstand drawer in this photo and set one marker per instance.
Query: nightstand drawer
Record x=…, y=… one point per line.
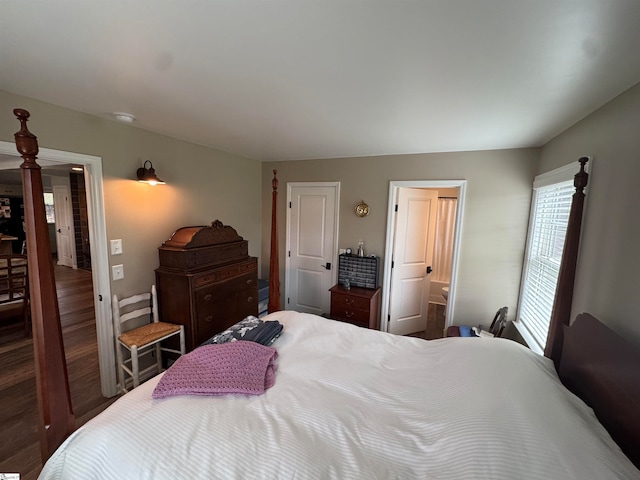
x=357, y=317
x=348, y=301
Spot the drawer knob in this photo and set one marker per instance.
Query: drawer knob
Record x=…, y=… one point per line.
x=207, y=297
x=348, y=301
x=249, y=282
x=208, y=318
x=249, y=299
x=348, y=314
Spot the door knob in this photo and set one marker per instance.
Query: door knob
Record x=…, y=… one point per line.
x=429, y=269
x=327, y=266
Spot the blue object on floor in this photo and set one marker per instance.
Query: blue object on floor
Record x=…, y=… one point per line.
x=466, y=332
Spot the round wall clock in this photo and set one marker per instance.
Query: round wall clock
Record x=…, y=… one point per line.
x=362, y=209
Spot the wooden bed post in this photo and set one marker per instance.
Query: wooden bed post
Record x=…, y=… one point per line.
x=52, y=383
x=274, y=263
x=561, y=313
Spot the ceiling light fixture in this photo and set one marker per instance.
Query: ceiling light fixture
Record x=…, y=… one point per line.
x=148, y=175
x=124, y=117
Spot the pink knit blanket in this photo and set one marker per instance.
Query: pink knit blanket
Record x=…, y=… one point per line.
x=237, y=367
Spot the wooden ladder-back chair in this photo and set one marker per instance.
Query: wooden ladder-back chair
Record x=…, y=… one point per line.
x=14, y=288
x=495, y=330
x=142, y=340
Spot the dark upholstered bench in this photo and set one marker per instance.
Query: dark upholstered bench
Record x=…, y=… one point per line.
x=453, y=331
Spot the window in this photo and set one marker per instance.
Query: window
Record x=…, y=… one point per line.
x=48, y=207
x=550, y=208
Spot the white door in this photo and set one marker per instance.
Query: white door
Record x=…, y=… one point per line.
x=414, y=238
x=64, y=230
x=312, y=231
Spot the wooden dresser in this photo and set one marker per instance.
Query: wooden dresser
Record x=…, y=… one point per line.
x=206, y=281
x=359, y=306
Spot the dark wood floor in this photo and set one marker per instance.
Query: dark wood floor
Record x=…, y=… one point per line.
x=435, y=323
x=19, y=448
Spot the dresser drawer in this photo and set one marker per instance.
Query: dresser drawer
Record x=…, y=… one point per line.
x=242, y=286
x=227, y=272
x=219, y=306
x=199, y=258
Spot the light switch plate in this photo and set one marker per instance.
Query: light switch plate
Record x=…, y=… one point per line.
x=116, y=247
x=117, y=272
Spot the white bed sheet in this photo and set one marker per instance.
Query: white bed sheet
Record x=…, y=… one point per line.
x=354, y=403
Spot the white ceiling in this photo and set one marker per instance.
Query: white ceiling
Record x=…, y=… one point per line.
x=299, y=79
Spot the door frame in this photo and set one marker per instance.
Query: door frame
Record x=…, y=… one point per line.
x=99, y=251
x=394, y=185
x=336, y=219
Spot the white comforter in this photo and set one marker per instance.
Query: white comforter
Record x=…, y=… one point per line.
x=354, y=403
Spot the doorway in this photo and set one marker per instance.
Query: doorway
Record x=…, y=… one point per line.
x=312, y=236
x=92, y=165
x=408, y=287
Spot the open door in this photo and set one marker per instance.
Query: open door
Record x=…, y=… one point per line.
x=412, y=264
x=392, y=257
x=64, y=225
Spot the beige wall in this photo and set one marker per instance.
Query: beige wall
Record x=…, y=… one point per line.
x=202, y=184
x=494, y=226
x=609, y=261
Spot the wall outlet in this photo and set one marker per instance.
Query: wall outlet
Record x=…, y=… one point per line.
x=117, y=272
x=116, y=247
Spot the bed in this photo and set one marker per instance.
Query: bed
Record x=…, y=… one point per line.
x=354, y=403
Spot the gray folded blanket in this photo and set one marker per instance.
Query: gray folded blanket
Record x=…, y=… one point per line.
x=251, y=329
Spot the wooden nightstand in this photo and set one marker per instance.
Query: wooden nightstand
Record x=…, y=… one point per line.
x=359, y=306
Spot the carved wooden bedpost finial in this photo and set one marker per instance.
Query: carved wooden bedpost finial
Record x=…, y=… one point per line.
x=52, y=382
x=582, y=177
x=26, y=142
x=274, y=261
x=561, y=313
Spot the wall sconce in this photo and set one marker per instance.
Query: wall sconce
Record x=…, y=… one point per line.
x=148, y=175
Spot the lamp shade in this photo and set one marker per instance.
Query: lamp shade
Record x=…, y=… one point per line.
x=148, y=175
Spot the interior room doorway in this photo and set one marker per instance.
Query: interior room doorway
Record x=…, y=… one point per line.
x=312, y=236
x=92, y=165
x=409, y=254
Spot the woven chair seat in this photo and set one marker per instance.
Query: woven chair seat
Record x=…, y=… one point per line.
x=147, y=334
x=144, y=340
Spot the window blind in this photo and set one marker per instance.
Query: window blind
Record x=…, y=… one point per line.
x=550, y=210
